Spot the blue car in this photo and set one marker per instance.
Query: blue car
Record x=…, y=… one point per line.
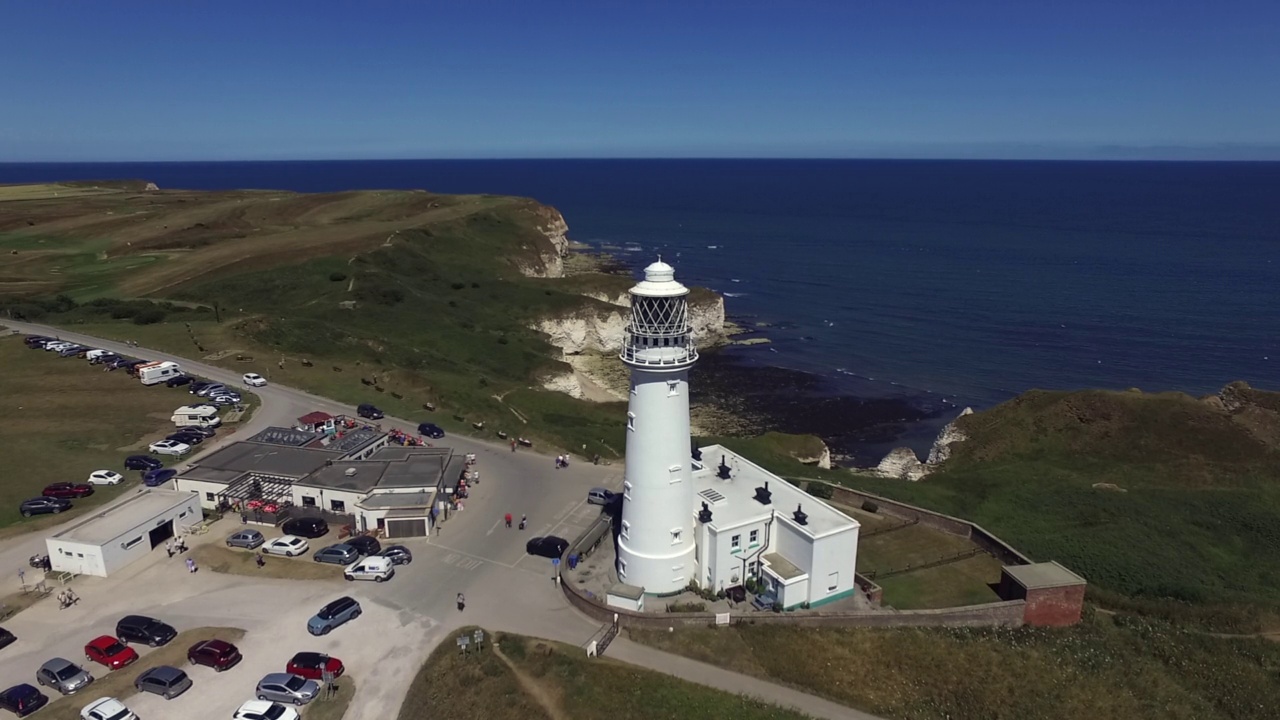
x=142, y=462
x=22, y=700
x=430, y=430
x=336, y=613
x=156, y=478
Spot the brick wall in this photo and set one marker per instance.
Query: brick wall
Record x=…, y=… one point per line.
x=1054, y=607
x=870, y=590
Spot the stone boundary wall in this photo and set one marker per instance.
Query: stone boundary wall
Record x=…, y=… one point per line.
x=1003, y=551
x=870, y=590
x=1007, y=613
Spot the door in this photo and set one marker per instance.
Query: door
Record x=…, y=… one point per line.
x=160, y=534
x=416, y=527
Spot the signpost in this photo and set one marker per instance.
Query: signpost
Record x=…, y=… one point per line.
x=463, y=642
x=478, y=637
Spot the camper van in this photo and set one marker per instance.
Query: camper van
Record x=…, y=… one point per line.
x=196, y=416
x=157, y=372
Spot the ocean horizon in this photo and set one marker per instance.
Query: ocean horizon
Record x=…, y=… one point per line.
x=948, y=283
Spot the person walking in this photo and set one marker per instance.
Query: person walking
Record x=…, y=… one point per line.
x=523, y=520
x=513, y=446
x=72, y=598
x=462, y=602
x=168, y=547
x=262, y=560
x=508, y=519
x=191, y=565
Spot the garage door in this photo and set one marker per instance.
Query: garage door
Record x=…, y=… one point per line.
x=414, y=527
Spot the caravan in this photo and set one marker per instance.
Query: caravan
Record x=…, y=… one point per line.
x=196, y=416
x=157, y=372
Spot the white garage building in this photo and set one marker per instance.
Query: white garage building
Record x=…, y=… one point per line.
x=125, y=532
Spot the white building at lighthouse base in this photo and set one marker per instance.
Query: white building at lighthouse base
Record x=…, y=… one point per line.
x=807, y=558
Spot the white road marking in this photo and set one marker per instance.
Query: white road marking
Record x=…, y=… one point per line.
x=496, y=523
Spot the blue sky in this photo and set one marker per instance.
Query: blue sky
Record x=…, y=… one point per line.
x=292, y=80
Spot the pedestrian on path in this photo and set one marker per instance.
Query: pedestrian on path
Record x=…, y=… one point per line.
x=462, y=602
x=523, y=519
x=191, y=565
x=508, y=519
x=168, y=547
x=513, y=446
x=262, y=560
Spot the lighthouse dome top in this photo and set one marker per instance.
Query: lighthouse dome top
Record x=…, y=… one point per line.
x=659, y=281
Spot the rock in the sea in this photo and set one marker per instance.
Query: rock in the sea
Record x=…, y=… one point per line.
x=950, y=435
x=902, y=464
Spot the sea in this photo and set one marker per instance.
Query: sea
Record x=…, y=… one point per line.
x=937, y=284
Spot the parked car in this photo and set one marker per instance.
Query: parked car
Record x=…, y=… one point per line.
x=42, y=505
x=145, y=630
x=142, y=462
x=369, y=412
x=217, y=654
x=599, y=496
x=104, y=359
x=57, y=345
x=107, y=708
x=156, y=478
x=73, y=350
x=186, y=438
x=366, y=544
x=336, y=613
x=283, y=687
x=307, y=527
x=225, y=400
x=169, y=447
x=287, y=545
x=312, y=665
x=397, y=554
x=202, y=431
x=264, y=710
x=23, y=699
x=254, y=380
x=165, y=680
x=178, y=381
x=6, y=638
x=131, y=364
x=67, y=490
x=109, y=651
x=212, y=389
x=247, y=539
x=374, y=567
x=105, y=477
x=549, y=546
x=121, y=361
x=64, y=676
x=34, y=340
x=198, y=385
x=430, y=430
x=339, y=554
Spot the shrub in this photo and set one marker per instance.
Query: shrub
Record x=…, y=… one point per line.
x=337, y=276
x=689, y=607
x=870, y=506
x=458, y=285
x=148, y=316
x=821, y=491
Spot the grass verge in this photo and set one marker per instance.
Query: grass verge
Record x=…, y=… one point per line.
x=216, y=558
x=119, y=684
x=335, y=707
x=1104, y=667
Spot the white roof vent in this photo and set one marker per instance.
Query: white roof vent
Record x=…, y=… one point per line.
x=349, y=472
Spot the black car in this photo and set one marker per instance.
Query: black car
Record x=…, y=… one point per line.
x=204, y=432
x=186, y=437
x=197, y=385
x=307, y=527
x=397, y=554
x=35, y=341
x=119, y=362
x=104, y=359
x=369, y=412
x=548, y=547
x=142, y=462
x=178, y=381
x=42, y=505
x=145, y=630
x=22, y=700
x=366, y=544
x=430, y=430
x=6, y=638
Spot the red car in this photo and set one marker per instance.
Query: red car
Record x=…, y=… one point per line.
x=217, y=654
x=312, y=665
x=109, y=651
x=68, y=490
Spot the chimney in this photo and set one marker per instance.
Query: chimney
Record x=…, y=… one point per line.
x=723, y=471
x=704, y=515
x=763, y=495
x=694, y=452
x=800, y=516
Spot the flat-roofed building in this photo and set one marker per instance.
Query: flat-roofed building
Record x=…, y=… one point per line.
x=122, y=533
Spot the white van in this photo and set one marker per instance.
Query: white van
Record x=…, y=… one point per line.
x=96, y=354
x=157, y=372
x=196, y=416
x=374, y=567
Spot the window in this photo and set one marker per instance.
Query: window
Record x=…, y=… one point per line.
x=674, y=471
x=622, y=569
x=337, y=506
x=308, y=501
x=208, y=497
x=626, y=530
x=673, y=388
x=131, y=543
x=833, y=581
x=735, y=543
x=626, y=489
x=754, y=538
x=675, y=536
x=183, y=514
x=631, y=421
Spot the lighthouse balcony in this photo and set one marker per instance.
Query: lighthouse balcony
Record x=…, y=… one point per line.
x=658, y=356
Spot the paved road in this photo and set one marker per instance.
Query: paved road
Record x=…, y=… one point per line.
x=474, y=554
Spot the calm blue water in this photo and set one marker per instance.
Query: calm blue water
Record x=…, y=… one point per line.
x=969, y=280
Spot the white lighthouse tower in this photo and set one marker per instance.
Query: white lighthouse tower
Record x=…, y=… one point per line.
x=656, y=543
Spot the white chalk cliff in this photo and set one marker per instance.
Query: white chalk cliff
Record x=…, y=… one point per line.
x=599, y=327
x=902, y=463
x=554, y=250
x=950, y=435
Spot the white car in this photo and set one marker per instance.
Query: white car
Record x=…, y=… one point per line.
x=109, y=708
x=265, y=710
x=374, y=567
x=287, y=545
x=169, y=447
x=105, y=477
x=254, y=380
x=57, y=346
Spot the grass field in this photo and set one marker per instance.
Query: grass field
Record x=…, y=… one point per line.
x=218, y=558
x=1135, y=670
x=66, y=418
x=119, y=683
x=335, y=707
x=529, y=679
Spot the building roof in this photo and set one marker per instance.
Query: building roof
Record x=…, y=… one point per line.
x=407, y=514
x=398, y=500
x=125, y=517
x=267, y=458
x=1043, y=575
x=315, y=418
x=732, y=502
x=291, y=437
x=782, y=567
x=347, y=442
x=399, y=468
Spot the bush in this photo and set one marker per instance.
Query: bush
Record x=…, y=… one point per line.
x=688, y=607
x=149, y=316
x=337, y=276
x=821, y=491
x=870, y=506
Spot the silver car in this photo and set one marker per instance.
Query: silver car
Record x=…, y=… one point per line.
x=247, y=539
x=339, y=554
x=64, y=676
x=287, y=688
